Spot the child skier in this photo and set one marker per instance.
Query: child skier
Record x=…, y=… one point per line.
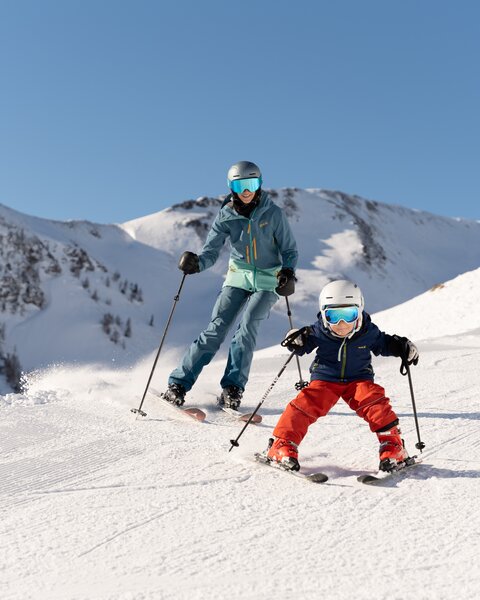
x=344, y=336
x=262, y=261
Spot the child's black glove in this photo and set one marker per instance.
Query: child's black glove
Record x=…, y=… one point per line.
x=286, y=282
x=412, y=353
x=407, y=350
x=189, y=263
x=295, y=339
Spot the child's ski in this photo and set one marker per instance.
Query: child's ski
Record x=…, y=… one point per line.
x=312, y=477
x=194, y=413
x=383, y=476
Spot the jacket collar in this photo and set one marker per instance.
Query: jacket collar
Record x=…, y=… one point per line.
x=229, y=213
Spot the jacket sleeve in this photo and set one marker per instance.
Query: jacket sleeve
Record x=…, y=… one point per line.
x=384, y=344
x=213, y=244
x=285, y=241
x=397, y=346
x=311, y=342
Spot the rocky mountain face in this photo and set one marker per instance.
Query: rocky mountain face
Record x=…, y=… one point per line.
x=23, y=258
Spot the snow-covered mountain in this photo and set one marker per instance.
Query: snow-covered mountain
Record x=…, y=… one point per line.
x=394, y=253
x=79, y=292
x=68, y=291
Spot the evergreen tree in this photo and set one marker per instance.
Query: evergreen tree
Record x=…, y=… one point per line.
x=107, y=321
x=13, y=371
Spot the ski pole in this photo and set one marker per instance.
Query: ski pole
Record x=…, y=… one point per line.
x=139, y=410
x=235, y=441
x=405, y=370
x=301, y=383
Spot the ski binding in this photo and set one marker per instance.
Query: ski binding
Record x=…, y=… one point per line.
x=382, y=476
x=194, y=413
x=318, y=477
x=238, y=414
x=241, y=416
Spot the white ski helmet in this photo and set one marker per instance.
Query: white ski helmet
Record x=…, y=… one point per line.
x=342, y=293
x=243, y=170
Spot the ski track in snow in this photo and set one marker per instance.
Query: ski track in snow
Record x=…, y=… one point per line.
x=99, y=505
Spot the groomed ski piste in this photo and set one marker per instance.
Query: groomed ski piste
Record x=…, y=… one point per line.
x=97, y=504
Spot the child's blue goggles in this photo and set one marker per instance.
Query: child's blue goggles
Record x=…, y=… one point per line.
x=252, y=184
x=349, y=314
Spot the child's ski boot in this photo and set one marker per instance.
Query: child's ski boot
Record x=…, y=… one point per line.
x=175, y=394
x=283, y=452
x=393, y=455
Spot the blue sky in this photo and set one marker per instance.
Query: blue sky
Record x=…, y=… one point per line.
x=111, y=110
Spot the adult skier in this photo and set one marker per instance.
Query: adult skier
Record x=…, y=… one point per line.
x=261, y=267
x=344, y=337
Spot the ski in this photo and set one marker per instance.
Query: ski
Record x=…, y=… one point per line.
x=241, y=416
x=194, y=413
x=238, y=414
x=383, y=476
x=312, y=477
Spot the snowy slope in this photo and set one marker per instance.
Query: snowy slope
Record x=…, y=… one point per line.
x=450, y=308
x=100, y=506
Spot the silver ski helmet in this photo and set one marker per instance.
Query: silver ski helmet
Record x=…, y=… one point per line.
x=341, y=293
x=244, y=170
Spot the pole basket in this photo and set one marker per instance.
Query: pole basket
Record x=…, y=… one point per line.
x=300, y=385
x=137, y=411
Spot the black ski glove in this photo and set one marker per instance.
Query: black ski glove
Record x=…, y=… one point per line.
x=188, y=263
x=295, y=339
x=286, y=282
x=405, y=349
x=411, y=352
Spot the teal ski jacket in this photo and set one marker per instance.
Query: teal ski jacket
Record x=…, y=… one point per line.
x=260, y=245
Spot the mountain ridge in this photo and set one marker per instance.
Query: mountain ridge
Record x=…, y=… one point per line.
x=88, y=280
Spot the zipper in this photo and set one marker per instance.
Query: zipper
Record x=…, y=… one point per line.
x=253, y=251
x=344, y=360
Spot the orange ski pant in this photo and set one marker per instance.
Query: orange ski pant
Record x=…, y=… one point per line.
x=366, y=398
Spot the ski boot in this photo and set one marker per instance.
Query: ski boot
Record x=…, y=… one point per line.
x=393, y=455
x=231, y=397
x=283, y=452
x=175, y=394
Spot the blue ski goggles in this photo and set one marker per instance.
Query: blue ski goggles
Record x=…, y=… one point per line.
x=334, y=315
x=252, y=184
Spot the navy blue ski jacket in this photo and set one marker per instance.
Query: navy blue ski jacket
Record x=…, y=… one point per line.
x=343, y=360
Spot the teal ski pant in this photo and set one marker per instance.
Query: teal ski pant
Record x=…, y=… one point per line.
x=229, y=304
